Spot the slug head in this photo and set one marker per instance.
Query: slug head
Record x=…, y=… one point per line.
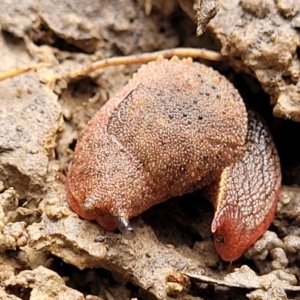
x=231, y=235
x=105, y=220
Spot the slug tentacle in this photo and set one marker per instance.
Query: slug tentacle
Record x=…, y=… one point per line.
x=125, y=228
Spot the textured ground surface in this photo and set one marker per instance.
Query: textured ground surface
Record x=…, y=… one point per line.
x=46, y=251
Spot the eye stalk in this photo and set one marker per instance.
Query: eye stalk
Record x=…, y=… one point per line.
x=125, y=228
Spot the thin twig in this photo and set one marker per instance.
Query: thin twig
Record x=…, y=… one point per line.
x=147, y=57
x=17, y=71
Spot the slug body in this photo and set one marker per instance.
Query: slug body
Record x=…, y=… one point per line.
x=246, y=194
x=176, y=127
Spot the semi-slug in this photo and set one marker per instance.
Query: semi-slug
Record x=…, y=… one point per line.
x=176, y=127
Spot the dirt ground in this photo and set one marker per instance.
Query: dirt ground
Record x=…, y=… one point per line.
x=46, y=250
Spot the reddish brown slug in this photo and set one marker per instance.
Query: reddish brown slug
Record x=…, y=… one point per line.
x=176, y=127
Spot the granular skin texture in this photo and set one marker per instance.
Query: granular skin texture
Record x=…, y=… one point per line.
x=176, y=127
x=245, y=197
